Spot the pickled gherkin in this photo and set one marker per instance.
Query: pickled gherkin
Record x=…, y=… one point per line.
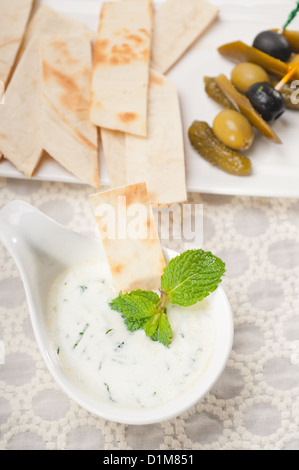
x=214, y=92
x=290, y=96
x=206, y=143
x=239, y=52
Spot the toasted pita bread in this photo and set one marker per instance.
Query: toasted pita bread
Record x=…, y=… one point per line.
x=134, y=263
x=1, y=102
x=177, y=25
x=159, y=158
x=67, y=134
x=47, y=21
x=20, y=139
x=113, y=143
x=1, y=90
x=13, y=21
x=20, y=133
x=121, y=67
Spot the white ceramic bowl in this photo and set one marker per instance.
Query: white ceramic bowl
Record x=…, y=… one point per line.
x=41, y=248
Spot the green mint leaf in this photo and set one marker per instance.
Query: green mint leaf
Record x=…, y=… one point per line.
x=152, y=324
x=137, y=307
x=192, y=276
x=159, y=329
x=149, y=295
x=134, y=325
x=164, y=331
x=142, y=310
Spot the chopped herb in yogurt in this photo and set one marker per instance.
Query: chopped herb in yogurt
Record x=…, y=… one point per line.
x=95, y=345
x=81, y=335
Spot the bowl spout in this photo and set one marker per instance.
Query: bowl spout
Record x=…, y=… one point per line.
x=28, y=235
x=40, y=247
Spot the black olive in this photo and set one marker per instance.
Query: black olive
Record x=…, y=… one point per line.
x=274, y=44
x=267, y=101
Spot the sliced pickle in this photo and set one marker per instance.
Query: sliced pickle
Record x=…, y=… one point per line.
x=287, y=91
x=243, y=105
x=214, y=92
x=240, y=52
x=219, y=97
x=206, y=143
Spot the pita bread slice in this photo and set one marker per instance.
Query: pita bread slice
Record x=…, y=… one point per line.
x=20, y=136
x=2, y=89
x=20, y=139
x=136, y=259
x=47, y=21
x=67, y=133
x=177, y=25
x=13, y=21
x=114, y=149
x=159, y=158
x=1, y=102
x=121, y=67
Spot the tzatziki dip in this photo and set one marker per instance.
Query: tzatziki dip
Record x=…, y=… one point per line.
x=104, y=359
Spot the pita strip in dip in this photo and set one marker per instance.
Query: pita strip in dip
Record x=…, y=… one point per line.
x=121, y=67
x=125, y=221
x=67, y=134
x=159, y=158
x=177, y=25
x=13, y=21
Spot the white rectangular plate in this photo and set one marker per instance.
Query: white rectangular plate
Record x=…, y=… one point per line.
x=275, y=167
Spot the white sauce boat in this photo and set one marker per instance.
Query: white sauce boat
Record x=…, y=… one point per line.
x=42, y=248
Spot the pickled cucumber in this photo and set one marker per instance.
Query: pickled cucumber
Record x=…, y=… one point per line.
x=294, y=60
x=291, y=96
x=240, y=52
x=215, y=152
x=214, y=92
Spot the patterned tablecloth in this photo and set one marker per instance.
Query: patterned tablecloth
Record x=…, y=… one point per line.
x=255, y=403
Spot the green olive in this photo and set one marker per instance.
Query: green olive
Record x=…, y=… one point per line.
x=294, y=60
x=246, y=74
x=233, y=129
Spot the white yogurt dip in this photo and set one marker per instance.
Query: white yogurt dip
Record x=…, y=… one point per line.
x=103, y=358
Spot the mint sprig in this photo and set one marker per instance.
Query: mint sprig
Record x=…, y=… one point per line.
x=187, y=279
x=192, y=276
x=137, y=307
